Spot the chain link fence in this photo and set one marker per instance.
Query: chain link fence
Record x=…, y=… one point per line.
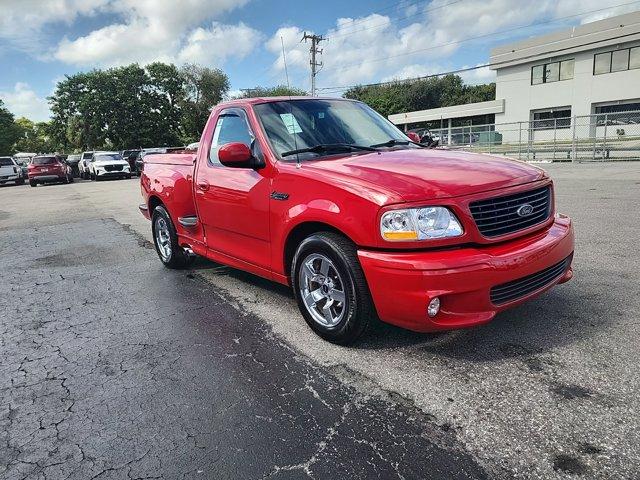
x=598, y=137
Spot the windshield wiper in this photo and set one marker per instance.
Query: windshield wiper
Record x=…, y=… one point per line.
x=394, y=141
x=325, y=147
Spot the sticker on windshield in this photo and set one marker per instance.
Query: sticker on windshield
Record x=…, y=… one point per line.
x=291, y=123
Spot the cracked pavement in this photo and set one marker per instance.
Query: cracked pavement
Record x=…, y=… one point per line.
x=114, y=366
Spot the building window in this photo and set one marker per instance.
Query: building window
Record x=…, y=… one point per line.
x=620, y=60
x=634, y=57
x=552, y=72
x=618, y=114
x=537, y=75
x=602, y=63
x=616, y=61
x=566, y=69
x=551, y=118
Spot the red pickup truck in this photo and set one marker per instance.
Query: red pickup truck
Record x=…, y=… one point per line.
x=327, y=196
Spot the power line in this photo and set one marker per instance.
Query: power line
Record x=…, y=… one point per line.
x=364, y=20
x=456, y=42
x=461, y=70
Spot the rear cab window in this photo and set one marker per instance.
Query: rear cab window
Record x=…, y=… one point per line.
x=6, y=162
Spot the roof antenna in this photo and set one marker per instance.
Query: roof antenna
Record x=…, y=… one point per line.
x=284, y=59
x=291, y=117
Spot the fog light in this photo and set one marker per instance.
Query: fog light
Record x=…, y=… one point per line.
x=434, y=307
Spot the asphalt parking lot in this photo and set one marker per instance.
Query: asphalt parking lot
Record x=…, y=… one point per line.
x=113, y=367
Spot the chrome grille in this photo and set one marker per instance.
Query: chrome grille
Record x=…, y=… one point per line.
x=113, y=168
x=510, y=291
x=499, y=216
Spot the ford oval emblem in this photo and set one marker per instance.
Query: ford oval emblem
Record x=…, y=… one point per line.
x=525, y=210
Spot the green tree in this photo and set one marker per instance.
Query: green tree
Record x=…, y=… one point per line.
x=118, y=108
x=432, y=92
x=277, y=91
x=203, y=89
x=34, y=137
x=9, y=131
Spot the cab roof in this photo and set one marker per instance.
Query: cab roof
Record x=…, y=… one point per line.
x=286, y=98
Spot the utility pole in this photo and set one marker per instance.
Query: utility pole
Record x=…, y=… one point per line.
x=313, y=51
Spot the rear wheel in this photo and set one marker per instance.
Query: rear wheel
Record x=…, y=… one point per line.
x=33, y=183
x=165, y=240
x=20, y=181
x=330, y=287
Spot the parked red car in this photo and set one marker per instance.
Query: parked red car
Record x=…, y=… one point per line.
x=48, y=168
x=329, y=197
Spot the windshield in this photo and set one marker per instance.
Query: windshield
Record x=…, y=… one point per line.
x=299, y=124
x=44, y=160
x=106, y=157
x=5, y=162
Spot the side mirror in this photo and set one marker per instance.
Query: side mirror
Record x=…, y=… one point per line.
x=236, y=155
x=414, y=137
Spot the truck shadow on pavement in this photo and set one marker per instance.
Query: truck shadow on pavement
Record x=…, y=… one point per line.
x=561, y=316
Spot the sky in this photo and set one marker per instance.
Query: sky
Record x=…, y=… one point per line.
x=41, y=41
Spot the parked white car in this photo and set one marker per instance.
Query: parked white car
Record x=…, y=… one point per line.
x=10, y=171
x=83, y=165
x=108, y=165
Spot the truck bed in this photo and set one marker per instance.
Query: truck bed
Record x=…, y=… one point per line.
x=170, y=159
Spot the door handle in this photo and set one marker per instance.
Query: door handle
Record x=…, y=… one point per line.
x=203, y=185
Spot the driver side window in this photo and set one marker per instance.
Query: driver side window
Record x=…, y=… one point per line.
x=231, y=126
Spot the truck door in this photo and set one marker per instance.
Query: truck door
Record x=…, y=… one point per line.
x=233, y=203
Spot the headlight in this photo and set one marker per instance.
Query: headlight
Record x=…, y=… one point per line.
x=419, y=224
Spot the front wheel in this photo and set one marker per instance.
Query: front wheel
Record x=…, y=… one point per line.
x=20, y=181
x=165, y=240
x=33, y=183
x=330, y=288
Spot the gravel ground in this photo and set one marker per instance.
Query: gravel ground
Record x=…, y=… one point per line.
x=547, y=390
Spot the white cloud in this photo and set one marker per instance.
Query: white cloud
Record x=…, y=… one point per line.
x=479, y=75
x=413, y=71
x=211, y=46
x=377, y=47
x=145, y=30
x=22, y=101
x=21, y=21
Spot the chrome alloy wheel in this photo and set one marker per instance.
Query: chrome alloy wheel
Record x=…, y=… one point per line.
x=322, y=290
x=163, y=239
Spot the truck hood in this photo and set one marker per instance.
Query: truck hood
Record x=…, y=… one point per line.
x=423, y=174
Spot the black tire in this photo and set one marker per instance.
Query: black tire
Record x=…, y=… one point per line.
x=33, y=183
x=178, y=258
x=359, y=308
x=20, y=181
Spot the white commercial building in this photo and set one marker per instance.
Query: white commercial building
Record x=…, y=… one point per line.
x=544, y=82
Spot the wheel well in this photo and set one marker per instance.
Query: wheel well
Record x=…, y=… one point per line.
x=153, y=203
x=298, y=234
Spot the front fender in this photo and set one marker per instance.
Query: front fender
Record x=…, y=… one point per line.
x=315, y=202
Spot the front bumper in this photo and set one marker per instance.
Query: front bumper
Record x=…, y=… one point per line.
x=9, y=178
x=403, y=283
x=114, y=174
